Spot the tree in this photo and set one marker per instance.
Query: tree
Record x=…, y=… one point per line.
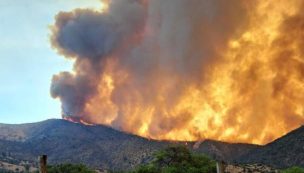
x=172, y=156
x=177, y=159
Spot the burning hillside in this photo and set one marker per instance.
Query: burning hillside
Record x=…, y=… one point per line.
x=185, y=69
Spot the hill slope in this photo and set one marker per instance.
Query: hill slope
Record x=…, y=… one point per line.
x=63, y=141
x=284, y=152
x=104, y=147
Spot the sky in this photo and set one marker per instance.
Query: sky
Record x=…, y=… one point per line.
x=27, y=61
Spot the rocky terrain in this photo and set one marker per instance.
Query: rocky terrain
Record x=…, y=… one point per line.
x=106, y=148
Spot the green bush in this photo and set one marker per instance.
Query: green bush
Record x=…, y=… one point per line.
x=177, y=159
x=293, y=170
x=69, y=168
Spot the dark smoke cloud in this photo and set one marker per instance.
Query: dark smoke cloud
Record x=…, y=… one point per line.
x=84, y=33
x=72, y=91
x=90, y=37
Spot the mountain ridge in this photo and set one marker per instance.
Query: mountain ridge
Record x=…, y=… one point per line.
x=104, y=147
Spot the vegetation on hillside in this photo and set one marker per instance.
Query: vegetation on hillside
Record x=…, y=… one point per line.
x=177, y=159
x=173, y=159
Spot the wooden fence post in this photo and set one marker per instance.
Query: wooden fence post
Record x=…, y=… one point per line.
x=42, y=164
x=220, y=167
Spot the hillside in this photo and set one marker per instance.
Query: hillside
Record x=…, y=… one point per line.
x=97, y=146
x=63, y=141
x=283, y=152
x=103, y=147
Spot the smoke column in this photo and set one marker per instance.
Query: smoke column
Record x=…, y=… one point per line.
x=184, y=69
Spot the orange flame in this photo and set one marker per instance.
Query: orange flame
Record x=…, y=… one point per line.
x=73, y=120
x=253, y=92
x=248, y=97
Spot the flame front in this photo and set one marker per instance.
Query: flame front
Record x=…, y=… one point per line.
x=235, y=76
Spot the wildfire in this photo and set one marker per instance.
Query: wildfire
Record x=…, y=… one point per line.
x=77, y=121
x=243, y=86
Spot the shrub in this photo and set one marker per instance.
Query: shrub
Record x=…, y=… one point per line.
x=177, y=159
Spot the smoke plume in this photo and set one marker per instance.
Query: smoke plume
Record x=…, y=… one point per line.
x=185, y=69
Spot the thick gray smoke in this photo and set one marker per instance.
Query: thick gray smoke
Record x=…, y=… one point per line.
x=153, y=41
x=176, y=38
x=90, y=37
